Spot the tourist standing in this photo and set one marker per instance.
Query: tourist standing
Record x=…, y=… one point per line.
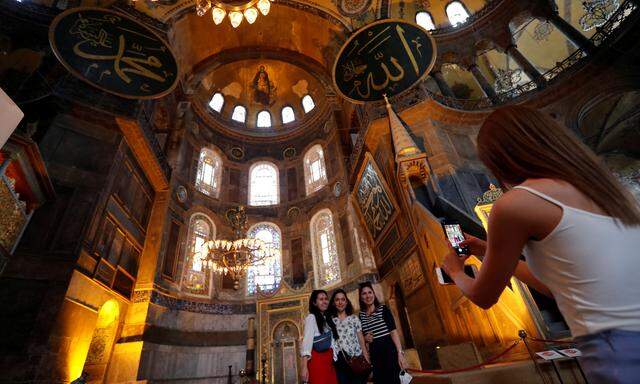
x=379, y=327
x=317, y=354
x=578, y=229
x=348, y=338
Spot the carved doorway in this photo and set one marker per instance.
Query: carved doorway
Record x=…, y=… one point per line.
x=285, y=352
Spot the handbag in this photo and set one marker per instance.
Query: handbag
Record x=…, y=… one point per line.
x=358, y=364
x=405, y=377
x=322, y=343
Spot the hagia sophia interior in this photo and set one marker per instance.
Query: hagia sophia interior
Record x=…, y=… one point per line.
x=220, y=128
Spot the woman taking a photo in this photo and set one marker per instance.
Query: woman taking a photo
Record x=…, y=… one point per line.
x=317, y=355
x=578, y=229
x=379, y=327
x=348, y=339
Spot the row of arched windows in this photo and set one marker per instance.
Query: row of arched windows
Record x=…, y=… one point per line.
x=263, y=118
x=267, y=275
x=263, y=176
x=456, y=12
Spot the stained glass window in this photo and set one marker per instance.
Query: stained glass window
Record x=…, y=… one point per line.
x=287, y=115
x=209, y=171
x=424, y=20
x=264, y=119
x=239, y=114
x=196, y=279
x=268, y=273
x=457, y=13
x=307, y=103
x=263, y=184
x=217, y=101
x=325, y=249
x=314, y=169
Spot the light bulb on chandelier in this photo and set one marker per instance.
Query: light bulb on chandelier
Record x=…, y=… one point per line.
x=235, y=18
x=264, y=6
x=251, y=14
x=218, y=14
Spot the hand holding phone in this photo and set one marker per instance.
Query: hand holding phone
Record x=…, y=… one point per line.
x=454, y=234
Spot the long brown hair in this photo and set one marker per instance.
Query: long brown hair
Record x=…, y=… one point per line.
x=518, y=143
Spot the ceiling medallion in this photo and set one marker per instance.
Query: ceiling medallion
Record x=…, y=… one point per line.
x=337, y=189
x=237, y=10
x=289, y=153
x=182, y=194
x=237, y=153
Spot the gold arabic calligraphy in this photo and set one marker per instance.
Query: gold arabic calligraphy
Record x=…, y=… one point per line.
x=367, y=79
x=374, y=202
x=94, y=36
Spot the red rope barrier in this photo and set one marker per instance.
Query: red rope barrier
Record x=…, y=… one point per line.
x=471, y=368
x=551, y=341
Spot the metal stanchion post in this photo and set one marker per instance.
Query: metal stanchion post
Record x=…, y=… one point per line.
x=555, y=368
x=523, y=335
x=584, y=377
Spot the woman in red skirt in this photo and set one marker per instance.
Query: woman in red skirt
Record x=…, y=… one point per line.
x=317, y=355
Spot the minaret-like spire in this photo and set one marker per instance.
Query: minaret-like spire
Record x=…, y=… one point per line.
x=403, y=144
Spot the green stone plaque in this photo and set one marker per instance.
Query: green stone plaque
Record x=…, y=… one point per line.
x=385, y=57
x=113, y=52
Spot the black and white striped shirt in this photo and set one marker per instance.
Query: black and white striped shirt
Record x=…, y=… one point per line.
x=380, y=323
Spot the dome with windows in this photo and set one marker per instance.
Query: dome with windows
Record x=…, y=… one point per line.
x=260, y=97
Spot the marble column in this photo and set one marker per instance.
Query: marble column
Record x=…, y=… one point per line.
x=526, y=66
x=575, y=36
x=484, y=84
x=442, y=84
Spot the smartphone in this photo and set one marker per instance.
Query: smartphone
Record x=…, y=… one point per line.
x=444, y=279
x=455, y=236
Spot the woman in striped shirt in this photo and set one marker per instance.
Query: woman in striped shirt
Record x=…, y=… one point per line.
x=379, y=327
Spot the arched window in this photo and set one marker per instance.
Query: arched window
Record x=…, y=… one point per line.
x=325, y=249
x=315, y=174
x=263, y=184
x=457, y=13
x=268, y=273
x=425, y=20
x=209, y=172
x=307, y=103
x=239, y=114
x=196, y=279
x=263, y=120
x=287, y=115
x=217, y=101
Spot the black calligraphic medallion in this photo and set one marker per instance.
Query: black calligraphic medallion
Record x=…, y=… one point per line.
x=385, y=57
x=114, y=53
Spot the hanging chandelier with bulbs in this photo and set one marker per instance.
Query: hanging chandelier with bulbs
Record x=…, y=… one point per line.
x=234, y=257
x=237, y=10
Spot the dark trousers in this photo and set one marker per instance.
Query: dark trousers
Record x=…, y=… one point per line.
x=384, y=358
x=344, y=373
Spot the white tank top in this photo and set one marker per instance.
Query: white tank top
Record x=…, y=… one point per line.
x=591, y=264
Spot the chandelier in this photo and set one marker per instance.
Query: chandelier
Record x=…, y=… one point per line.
x=234, y=257
x=237, y=10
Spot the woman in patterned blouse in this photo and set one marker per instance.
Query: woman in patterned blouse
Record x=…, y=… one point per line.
x=380, y=332
x=348, y=338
